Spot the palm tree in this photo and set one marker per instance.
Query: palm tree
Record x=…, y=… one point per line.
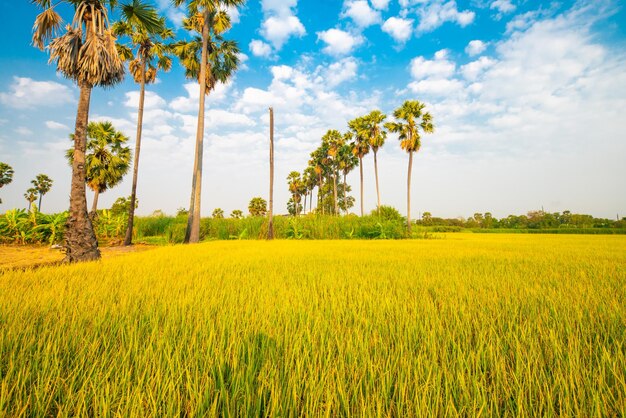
x=334, y=141
x=376, y=137
x=411, y=118
x=6, y=175
x=347, y=161
x=30, y=196
x=319, y=162
x=209, y=59
x=85, y=53
x=361, y=146
x=146, y=54
x=42, y=184
x=309, y=179
x=296, y=188
x=107, y=159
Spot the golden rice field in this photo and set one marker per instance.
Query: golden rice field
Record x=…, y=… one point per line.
x=466, y=325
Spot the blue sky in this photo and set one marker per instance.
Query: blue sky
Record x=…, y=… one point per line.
x=526, y=96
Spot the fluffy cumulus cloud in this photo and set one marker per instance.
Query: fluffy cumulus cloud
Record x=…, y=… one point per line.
x=50, y=124
x=26, y=93
x=502, y=6
x=260, y=48
x=361, y=13
x=380, y=4
x=339, y=42
x=340, y=71
x=475, y=47
x=434, y=13
x=279, y=25
x=400, y=29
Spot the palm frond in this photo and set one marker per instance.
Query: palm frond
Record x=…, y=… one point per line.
x=46, y=26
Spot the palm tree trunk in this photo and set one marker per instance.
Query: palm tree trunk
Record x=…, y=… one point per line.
x=128, y=240
x=193, y=225
x=30, y=204
x=270, y=229
x=335, y=193
x=94, y=205
x=40, y=196
x=304, y=206
x=408, y=193
x=345, y=194
x=376, y=172
x=361, y=170
x=80, y=239
x=319, y=194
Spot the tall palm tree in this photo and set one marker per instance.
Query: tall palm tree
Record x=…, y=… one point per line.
x=376, y=136
x=347, y=162
x=410, y=117
x=42, y=184
x=361, y=147
x=309, y=178
x=319, y=162
x=85, y=53
x=296, y=188
x=146, y=53
x=107, y=159
x=334, y=141
x=31, y=196
x=6, y=175
x=209, y=59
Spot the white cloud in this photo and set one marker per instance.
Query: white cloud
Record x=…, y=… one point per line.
x=234, y=14
x=26, y=93
x=436, y=86
x=260, y=48
x=220, y=118
x=189, y=103
x=50, y=124
x=380, y=4
x=340, y=71
x=440, y=67
x=339, y=42
x=280, y=24
x=278, y=29
x=474, y=69
x=475, y=47
x=361, y=13
x=502, y=6
x=434, y=14
x=400, y=29
x=24, y=131
x=151, y=100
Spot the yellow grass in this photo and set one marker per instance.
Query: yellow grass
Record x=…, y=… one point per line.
x=469, y=325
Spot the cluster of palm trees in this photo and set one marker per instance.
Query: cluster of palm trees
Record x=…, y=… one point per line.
x=338, y=154
x=87, y=51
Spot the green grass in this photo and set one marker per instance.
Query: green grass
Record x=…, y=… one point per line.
x=470, y=325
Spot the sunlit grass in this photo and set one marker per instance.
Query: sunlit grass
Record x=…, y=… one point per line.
x=490, y=325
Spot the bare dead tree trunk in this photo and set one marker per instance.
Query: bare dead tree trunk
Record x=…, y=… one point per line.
x=408, y=193
x=361, y=170
x=376, y=172
x=128, y=240
x=270, y=229
x=80, y=240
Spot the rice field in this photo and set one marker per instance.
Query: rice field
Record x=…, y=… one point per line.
x=465, y=325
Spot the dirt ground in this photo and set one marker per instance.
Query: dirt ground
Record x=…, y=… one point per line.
x=28, y=256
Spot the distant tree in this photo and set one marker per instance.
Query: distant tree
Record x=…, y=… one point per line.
x=309, y=178
x=333, y=141
x=107, y=159
x=388, y=213
x=236, y=214
x=6, y=175
x=410, y=119
x=296, y=188
x=42, y=184
x=257, y=206
x=347, y=161
x=158, y=213
x=122, y=205
x=182, y=212
x=218, y=213
x=427, y=218
x=292, y=208
x=31, y=196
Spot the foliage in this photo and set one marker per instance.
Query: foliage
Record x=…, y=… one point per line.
x=6, y=175
x=42, y=184
x=257, y=206
x=218, y=213
x=388, y=213
x=18, y=226
x=236, y=214
x=122, y=205
x=486, y=325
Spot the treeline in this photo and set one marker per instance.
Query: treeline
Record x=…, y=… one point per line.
x=532, y=220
